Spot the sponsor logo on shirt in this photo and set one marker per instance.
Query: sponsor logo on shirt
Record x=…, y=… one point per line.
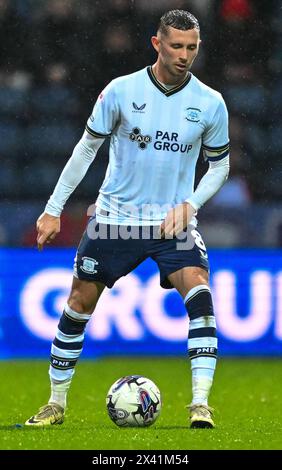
x=137, y=136
x=138, y=109
x=169, y=141
x=164, y=140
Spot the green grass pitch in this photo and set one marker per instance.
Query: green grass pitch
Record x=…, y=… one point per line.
x=246, y=396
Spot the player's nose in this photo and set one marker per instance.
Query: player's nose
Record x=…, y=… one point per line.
x=183, y=56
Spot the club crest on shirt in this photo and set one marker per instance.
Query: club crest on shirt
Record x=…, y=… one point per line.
x=193, y=114
x=88, y=265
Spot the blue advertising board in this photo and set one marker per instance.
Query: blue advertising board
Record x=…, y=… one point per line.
x=137, y=316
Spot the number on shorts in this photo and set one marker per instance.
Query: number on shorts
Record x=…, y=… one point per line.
x=198, y=240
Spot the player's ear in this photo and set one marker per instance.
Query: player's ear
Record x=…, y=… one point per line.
x=155, y=43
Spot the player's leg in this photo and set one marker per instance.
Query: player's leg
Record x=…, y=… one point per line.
x=68, y=343
x=66, y=349
x=100, y=261
x=192, y=284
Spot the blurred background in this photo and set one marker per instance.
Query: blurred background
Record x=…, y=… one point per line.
x=55, y=58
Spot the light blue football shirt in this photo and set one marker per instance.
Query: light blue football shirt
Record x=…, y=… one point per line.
x=155, y=138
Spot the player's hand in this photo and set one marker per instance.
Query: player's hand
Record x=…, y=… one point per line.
x=177, y=220
x=48, y=226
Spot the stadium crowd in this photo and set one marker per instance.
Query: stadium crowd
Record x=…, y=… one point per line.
x=56, y=57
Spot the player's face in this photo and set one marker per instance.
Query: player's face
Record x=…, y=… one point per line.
x=176, y=51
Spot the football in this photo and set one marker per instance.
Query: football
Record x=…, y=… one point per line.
x=133, y=401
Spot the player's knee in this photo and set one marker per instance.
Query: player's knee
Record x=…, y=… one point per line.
x=199, y=276
x=198, y=302
x=80, y=303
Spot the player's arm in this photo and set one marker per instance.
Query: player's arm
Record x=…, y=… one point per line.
x=179, y=217
x=100, y=124
x=212, y=180
x=48, y=224
x=216, y=150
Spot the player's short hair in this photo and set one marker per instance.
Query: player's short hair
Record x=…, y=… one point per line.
x=178, y=19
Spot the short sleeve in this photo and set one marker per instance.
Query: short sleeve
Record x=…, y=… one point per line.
x=215, y=138
x=105, y=113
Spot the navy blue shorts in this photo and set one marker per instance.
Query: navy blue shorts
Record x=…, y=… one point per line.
x=108, y=252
